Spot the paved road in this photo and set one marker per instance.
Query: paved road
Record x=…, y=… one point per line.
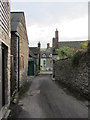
x=45, y=99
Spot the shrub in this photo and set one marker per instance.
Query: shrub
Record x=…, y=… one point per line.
x=84, y=45
x=65, y=52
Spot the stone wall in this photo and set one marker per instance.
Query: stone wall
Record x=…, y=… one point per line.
x=24, y=51
x=5, y=39
x=23, y=59
x=75, y=77
x=5, y=36
x=14, y=69
x=20, y=49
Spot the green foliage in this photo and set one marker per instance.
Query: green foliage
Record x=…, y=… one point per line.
x=84, y=45
x=65, y=52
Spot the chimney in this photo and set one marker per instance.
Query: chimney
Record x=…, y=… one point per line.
x=48, y=45
x=53, y=42
x=56, y=39
x=56, y=34
x=39, y=44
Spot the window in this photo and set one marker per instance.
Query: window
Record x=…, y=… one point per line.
x=50, y=55
x=44, y=63
x=44, y=55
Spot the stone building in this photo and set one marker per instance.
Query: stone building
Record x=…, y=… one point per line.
x=55, y=40
x=32, y=64
x=34, y=60
x=56, y=44
x=4, y=56
x=19, y=51
x=46, y=58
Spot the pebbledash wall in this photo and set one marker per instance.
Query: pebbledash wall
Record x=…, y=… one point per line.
x=5, y=37
x=75, y=78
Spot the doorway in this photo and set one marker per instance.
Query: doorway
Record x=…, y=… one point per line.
x=4, y=74
x=31, y=68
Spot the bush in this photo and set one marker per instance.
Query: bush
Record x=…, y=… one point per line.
x=65, y=52
x=84, y=45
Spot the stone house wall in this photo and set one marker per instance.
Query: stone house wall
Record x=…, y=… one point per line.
x=24, y=51
x=5, y=36
x=49, y=62
x=38, y=62
x=20, y=46
x=14, y=53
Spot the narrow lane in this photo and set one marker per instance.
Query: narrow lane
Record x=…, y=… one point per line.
x=46, y=100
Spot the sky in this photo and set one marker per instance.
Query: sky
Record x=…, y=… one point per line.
x=42, y=19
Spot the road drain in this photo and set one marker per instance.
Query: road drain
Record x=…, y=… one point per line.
x=34, y=93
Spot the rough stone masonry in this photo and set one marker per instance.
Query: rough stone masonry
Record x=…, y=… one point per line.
x=75, y=77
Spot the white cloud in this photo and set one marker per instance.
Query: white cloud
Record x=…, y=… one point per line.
x=42, y=19
x=76, y=29
x=43, y=34
x=49, y=1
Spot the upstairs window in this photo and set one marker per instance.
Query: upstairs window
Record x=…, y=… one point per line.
x=44, y=55
x=50, y=55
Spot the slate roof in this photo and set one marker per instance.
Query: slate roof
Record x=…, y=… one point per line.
x=35, y=50
x=15, y=20
x=31, y=54
x=47, y=52
x=73, y=44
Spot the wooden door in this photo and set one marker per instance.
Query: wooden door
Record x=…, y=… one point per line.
x=30, y=68
x=3, y=77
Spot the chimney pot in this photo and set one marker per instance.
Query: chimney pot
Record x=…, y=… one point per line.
x=39, y=44
x=48, y=45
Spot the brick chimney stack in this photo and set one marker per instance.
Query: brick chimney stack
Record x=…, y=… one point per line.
x=39, y=44
x=53, y=42
x=48, y=45
x=56, y=38
x=56, y=34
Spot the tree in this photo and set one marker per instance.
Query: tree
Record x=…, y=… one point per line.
x=65, y=52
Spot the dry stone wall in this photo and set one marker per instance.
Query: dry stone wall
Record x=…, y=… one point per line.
x=75, y=77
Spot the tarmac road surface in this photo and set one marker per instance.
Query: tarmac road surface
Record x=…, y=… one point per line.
x=45, y=99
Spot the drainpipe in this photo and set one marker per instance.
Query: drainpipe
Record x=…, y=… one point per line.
x=0, y=75
x=39, y=45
